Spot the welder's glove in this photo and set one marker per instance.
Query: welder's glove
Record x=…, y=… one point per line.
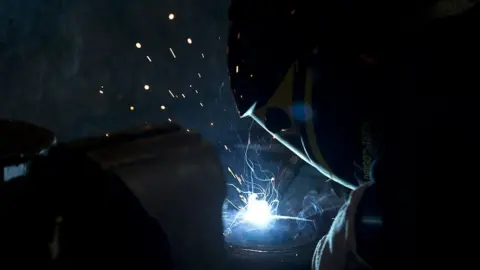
x=338, y=249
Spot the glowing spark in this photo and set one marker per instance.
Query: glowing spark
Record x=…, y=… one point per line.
x=189, y=40
x=183, y=95
x=203, y=56
x=171, y=16
x=236, y=177
x=171, y=94
x=149, y=59
x=236, y=69
x=106, y=134
x=132, y=108
x=196, y=91
x=188, y=130
x=211, y=123
x=236, y=188
x=163, y=107
x=232, y=204
x=201, y=104
x=243, y=199
x=169, y=120
x=258, y=193
x=199, y=75
x=257, y=212
x=146, y=87
x=101, y=92
x=173, y=54
x=138, y=45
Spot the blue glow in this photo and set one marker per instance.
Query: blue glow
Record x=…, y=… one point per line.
x=302, y=111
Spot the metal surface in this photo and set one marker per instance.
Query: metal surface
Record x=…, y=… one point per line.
x=286, y=244
x=292, y=254
x=179, y=179
x=298, y=258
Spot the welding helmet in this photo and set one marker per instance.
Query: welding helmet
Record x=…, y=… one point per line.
x=304, y=83
x=330, y=78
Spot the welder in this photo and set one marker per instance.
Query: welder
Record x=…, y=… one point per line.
x=352, y=87
x=355, y=85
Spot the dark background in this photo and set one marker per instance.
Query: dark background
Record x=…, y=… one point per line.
x=56, y=56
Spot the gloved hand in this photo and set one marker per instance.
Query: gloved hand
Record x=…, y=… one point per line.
x=102, y=223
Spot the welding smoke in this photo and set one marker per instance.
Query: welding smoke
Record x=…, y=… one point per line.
x=318, y=203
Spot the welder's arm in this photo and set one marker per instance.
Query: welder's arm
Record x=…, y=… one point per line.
x=338, y=249
x=375, y=229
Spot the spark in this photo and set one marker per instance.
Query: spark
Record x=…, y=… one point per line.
x=211, y=123
x=106, y=134
x=171, y=16
x=138, y=45
x=196, y=91
x=257, y=211
x=149, y=59
x=171, y=94
x=183, y=95
x=169, y=120
x=236, y=69
x=258, y=196
x=132, y=108
x=146, y=87
x=203, y=56
x=101, y=92
x=199, y=75
x=163, y=107
x=189, y=40
x=173, y=54
x=201, y=104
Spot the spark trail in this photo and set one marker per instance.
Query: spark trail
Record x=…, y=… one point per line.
x=259, y=197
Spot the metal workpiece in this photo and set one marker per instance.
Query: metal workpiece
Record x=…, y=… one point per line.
x=179, y=179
